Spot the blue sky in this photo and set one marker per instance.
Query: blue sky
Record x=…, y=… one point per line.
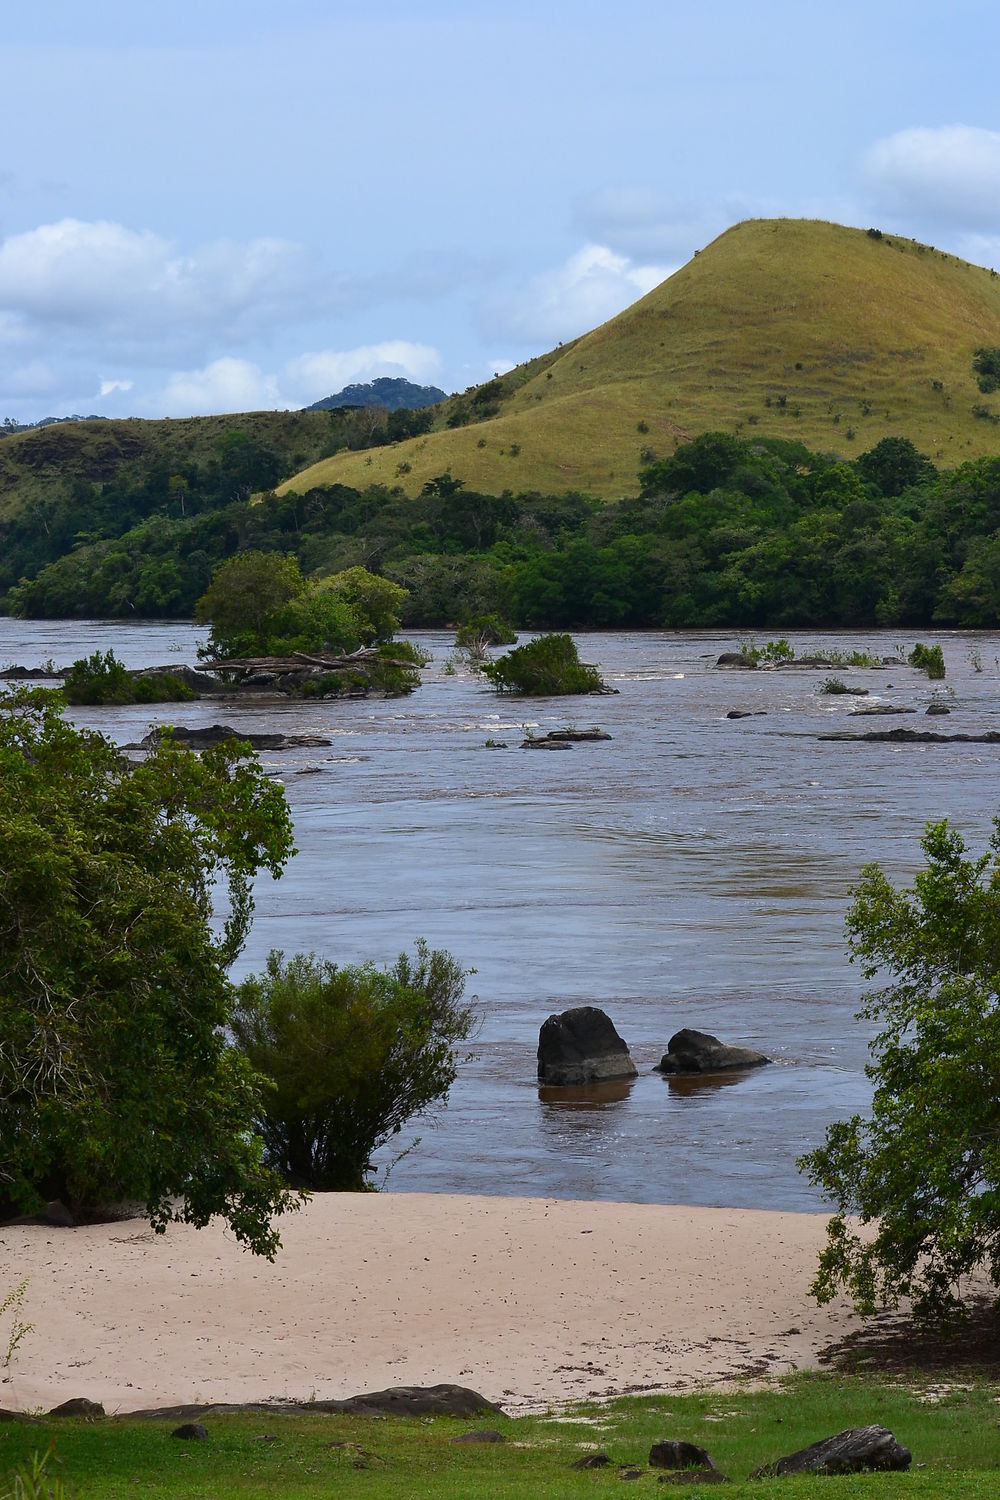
x=220, y=206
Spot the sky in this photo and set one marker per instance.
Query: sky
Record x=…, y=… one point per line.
x=219, y=206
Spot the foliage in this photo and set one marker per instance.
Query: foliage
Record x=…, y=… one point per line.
x=102, y=678
x=834, y=685
x=986, y=364
x=245, y=596
x=924, y=1169
x=929, y=658
x=485, y=630
x=115, y=1078
x=12, y=1306
x=259, y=604
x=546, y=666
x=782, y=537
x=353, y=1053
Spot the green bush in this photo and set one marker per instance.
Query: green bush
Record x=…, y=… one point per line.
x=486, y=630
x=102, y=678
x=547, y=666
x=834, y=685
x=930, y=658
x=353, y=1053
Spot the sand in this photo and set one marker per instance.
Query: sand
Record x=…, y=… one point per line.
x=532, y=1302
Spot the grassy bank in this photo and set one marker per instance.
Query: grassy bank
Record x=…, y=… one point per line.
x=948, y=1423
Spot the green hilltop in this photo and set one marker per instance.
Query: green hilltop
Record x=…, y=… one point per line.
x=791, y=328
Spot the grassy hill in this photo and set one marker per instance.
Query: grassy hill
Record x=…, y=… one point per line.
x=43, y=462
x=793, y=328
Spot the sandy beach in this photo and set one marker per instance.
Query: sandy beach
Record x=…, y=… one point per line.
x=532, y=1302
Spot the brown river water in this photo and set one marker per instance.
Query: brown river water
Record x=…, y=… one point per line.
x=693, y=871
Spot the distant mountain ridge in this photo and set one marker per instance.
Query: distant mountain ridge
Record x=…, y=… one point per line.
x=395, y=394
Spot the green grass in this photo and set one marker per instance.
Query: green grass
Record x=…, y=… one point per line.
x=954, y=1439
x=782, y=327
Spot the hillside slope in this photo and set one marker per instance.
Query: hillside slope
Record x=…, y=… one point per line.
x=43, y=462
x=793, y=328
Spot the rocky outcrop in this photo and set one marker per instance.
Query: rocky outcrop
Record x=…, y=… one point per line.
x=699, y=1052
x=851, y=1452
x=201, y=738
x=937, y=709
x=582, y=1046
x=561, y=739
x=917, y=737
x=400, y=1400
x=870, y=710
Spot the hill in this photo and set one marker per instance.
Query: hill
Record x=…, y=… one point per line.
x=835, y=337
x=394, y=394
x=45, y=460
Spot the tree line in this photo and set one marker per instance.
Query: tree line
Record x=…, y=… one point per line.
x=726, y=532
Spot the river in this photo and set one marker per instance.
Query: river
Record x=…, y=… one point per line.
x=693, y=871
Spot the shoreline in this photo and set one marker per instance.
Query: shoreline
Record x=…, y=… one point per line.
x=534, y=1303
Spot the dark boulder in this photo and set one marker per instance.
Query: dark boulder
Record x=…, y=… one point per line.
x=698, y=1052
x=937, y=709
x=592, y=1461
x=675, y=1453
x=851, y=1452
x=480, y=1435
x=78, y=1406
x=736, y=659
x=192, y=1432
x=412, y=1401
x=582, y=1046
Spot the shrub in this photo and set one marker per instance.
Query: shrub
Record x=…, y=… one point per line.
x=353, y=1053
x=102, y=678
x=834, y=685
x=930, y=658
x=922, y=1168
x=547, y=666
x=486, y=630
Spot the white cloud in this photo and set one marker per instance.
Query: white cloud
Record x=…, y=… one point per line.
x=310, y=377
x=949, y=175
x=107, y=386
x=103, y=276
x=32, y=379
x=590, y=287
x=226, y=384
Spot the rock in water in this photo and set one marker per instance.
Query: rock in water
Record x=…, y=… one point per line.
x=698, y=1052
x=850, y=1452
x=582, y=1046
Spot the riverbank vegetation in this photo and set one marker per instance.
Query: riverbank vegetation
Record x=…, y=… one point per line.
x=727, y=532
x=947, y=1422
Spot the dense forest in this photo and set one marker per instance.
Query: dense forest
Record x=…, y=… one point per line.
x=728, y=531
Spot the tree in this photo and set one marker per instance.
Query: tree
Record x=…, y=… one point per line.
x=116, y=1080
x=353, y=1052
x=243, y=598
x=924, y=1169
x=545, y=667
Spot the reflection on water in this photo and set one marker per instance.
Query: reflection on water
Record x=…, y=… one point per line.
x=585, y=1096
x=692, y=871
x=697, y=1085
